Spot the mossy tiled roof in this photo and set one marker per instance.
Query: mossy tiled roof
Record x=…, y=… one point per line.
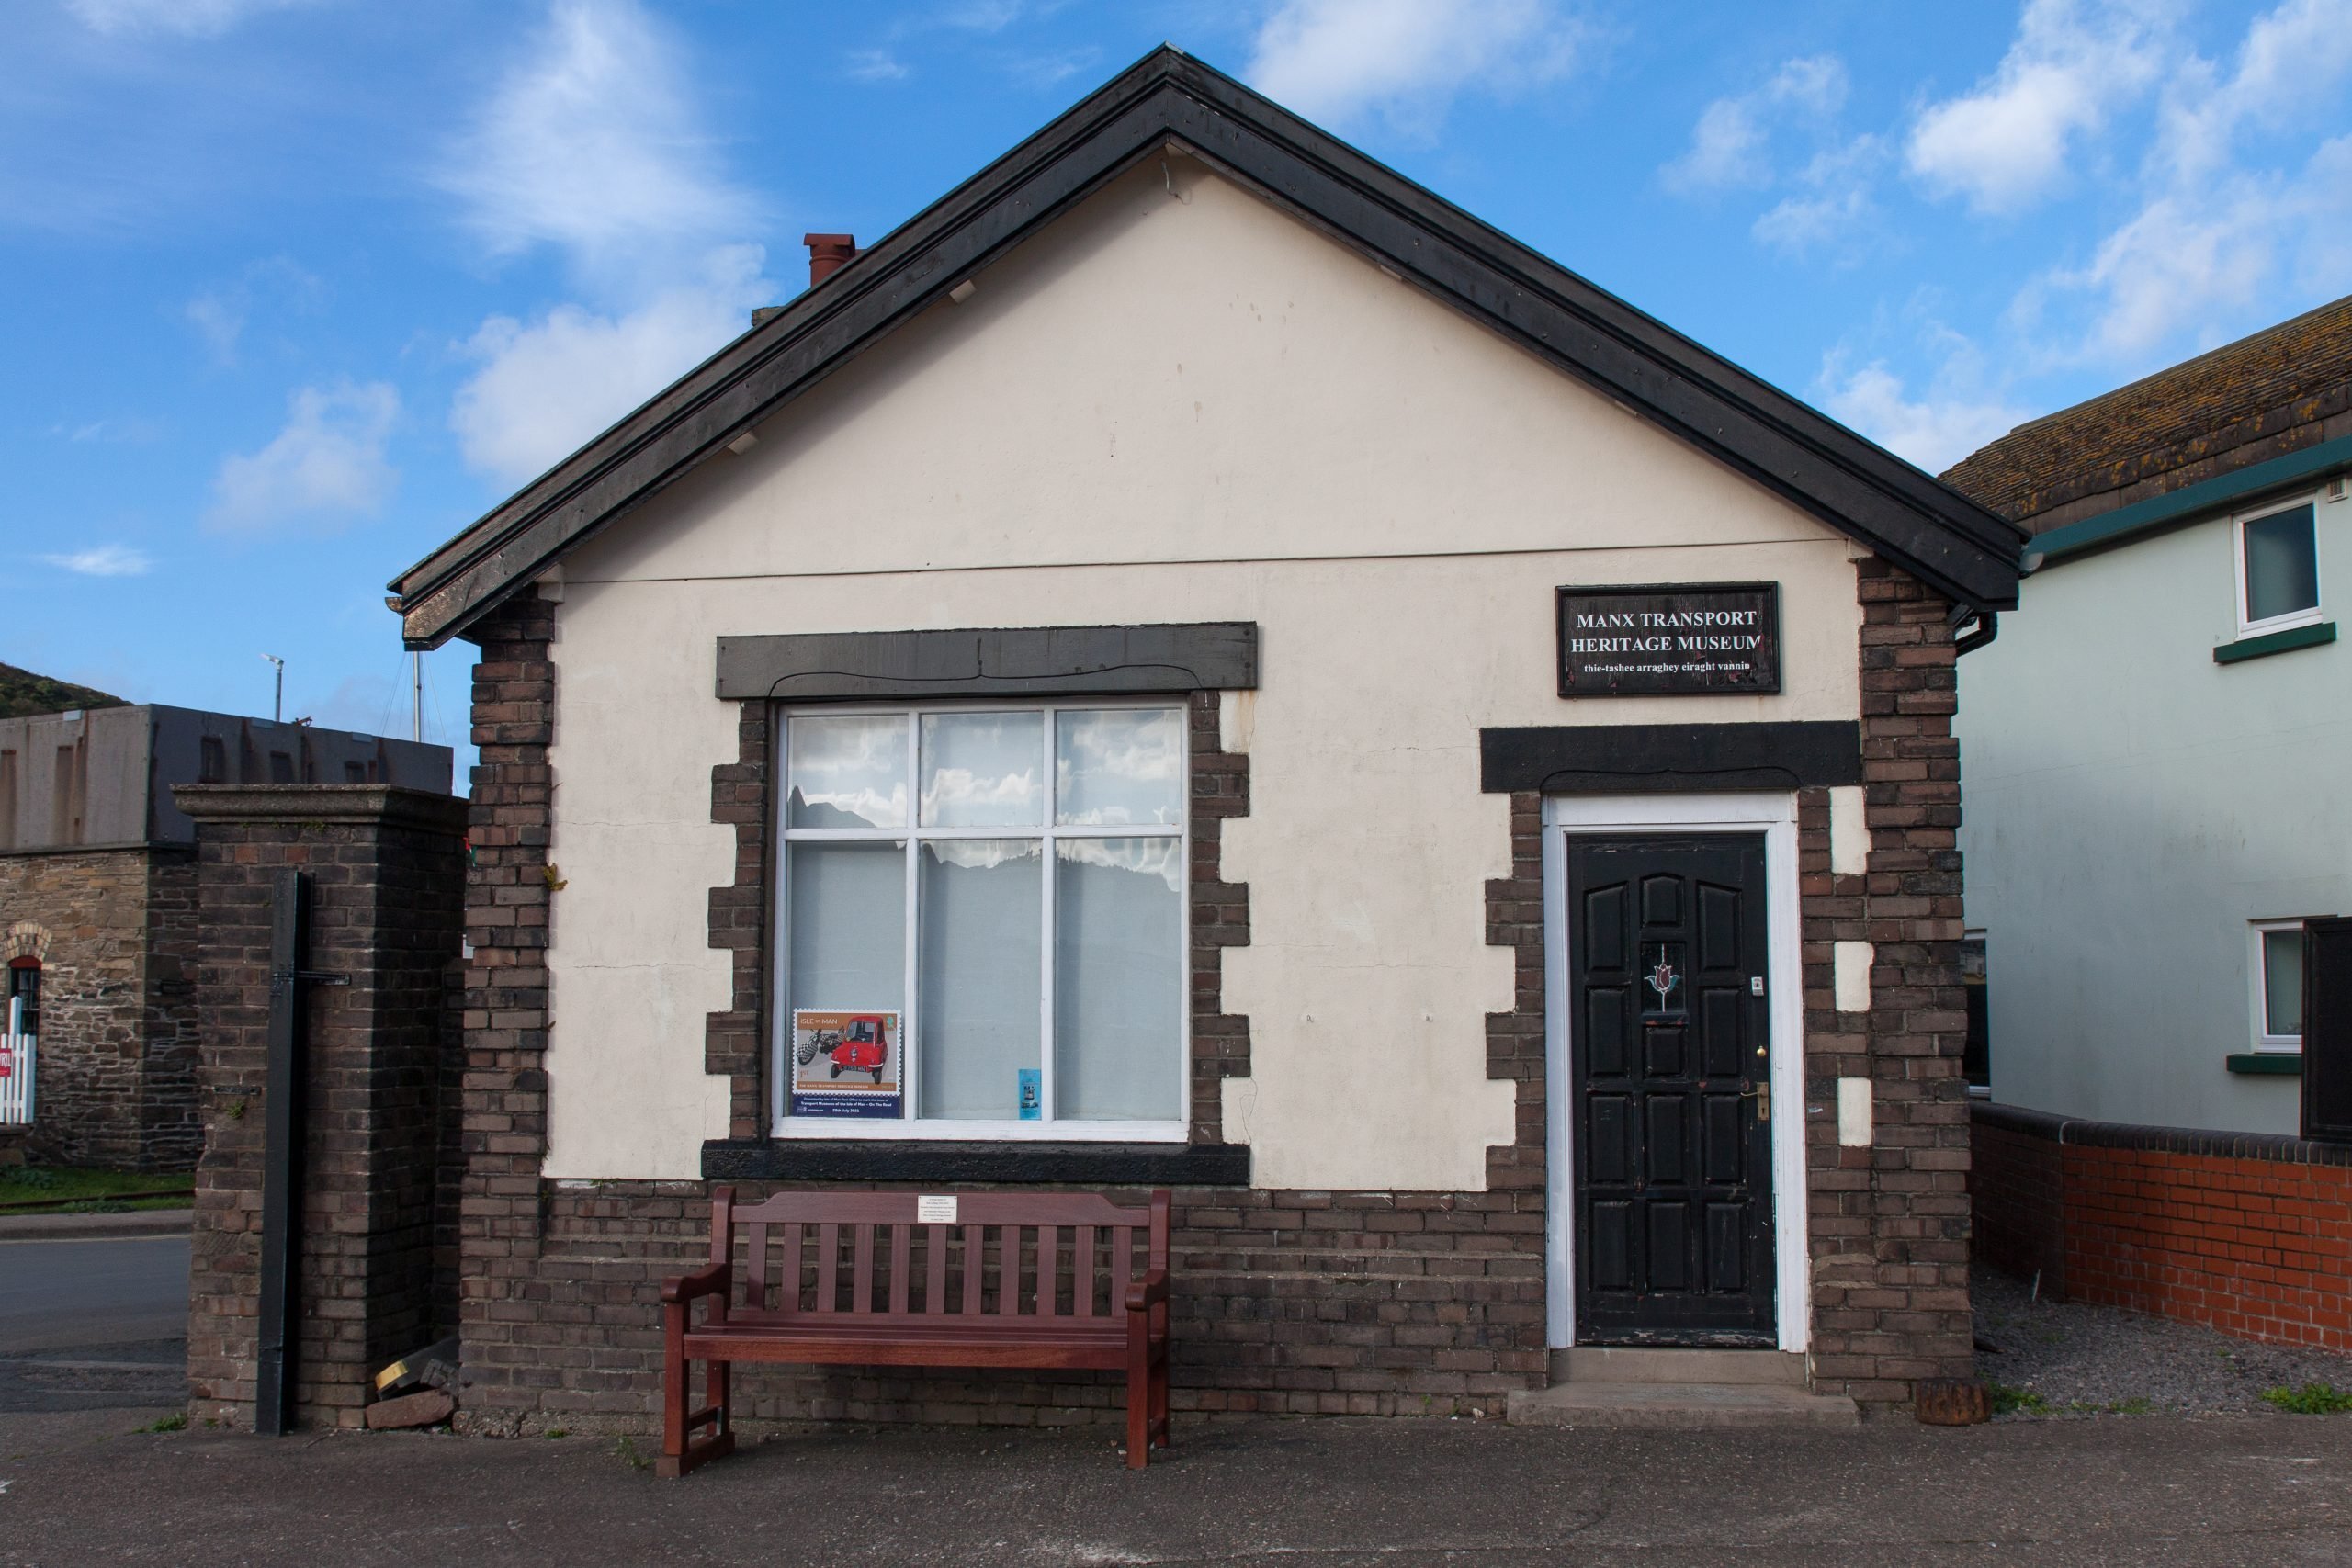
x=2268, y=393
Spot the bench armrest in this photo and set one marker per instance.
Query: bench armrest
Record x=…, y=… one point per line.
x=1152, y=1287
x=709, y=1282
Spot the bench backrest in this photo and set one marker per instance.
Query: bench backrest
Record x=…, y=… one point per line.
x=1004, y=1255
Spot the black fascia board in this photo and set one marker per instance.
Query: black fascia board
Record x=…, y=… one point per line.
x=1899, y=513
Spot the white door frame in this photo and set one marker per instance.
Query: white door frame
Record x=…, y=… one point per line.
x=1774, y=816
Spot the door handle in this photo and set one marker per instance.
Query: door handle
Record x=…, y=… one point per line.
x=1762, y=1095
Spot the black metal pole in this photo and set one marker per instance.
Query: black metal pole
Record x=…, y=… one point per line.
x=281, y=1186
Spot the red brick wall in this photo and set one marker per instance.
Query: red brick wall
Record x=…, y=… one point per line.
x=2248, y=1234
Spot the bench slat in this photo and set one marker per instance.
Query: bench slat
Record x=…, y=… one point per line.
x=1122, y=1267
x=1008, y=1271
x=861, y=1284
x=756, y=1268
x=901, y=1260
x=993, y=1208
x=828, y=1262
x=1049, y=1273
x=975, y=1265
x=788, y=1295
x=934, y=1258
x=1081, y=1273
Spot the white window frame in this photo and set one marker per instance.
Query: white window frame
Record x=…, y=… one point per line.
x=2264, y=1041
x=910, y=1126
x=2237, y=548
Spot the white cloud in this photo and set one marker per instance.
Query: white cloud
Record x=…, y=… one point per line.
x=593, y=145
x=547, y=387
x=1832, y=204
x=1934, y=432
x=102, y=560
x=2004, y=144
x=325, y=467
x=189, y=19
x=2215, y=236
x=1728, y=144
x=1334, y=59
x=876, y=66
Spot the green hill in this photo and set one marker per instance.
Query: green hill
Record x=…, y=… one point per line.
x=22, y=692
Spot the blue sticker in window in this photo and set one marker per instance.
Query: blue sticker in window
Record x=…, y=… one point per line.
x=1032, y=1093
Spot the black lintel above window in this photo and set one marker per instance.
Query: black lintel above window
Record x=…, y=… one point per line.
x=1029, y=661
x=940, y=1162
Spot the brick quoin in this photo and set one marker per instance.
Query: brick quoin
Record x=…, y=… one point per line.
x=2249, y=1234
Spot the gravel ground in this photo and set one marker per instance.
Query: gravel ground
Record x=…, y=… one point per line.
x=2095, y=1360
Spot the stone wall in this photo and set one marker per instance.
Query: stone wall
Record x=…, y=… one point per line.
x=385, y=870
x=114, y=929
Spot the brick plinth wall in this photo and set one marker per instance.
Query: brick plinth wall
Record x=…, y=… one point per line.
x=2248, y=1233
x=385, y=870
x=114, y=929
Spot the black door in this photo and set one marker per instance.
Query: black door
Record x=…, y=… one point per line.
x=1669, y=1087
x=2327, y=1030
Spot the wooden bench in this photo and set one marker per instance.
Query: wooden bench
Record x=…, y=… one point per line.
x=1016, y=1279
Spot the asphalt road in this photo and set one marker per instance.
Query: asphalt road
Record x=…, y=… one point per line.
x=93, y=1325
x=2235, y=1490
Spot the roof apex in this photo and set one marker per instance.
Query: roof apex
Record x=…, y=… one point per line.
x=1167, y=97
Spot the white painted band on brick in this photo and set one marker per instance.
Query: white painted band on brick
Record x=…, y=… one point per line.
x=1849, y=834
x=1237, y=718
x=1852, y=966
x=1854, y=1112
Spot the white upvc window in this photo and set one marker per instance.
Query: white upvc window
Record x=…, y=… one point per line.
x=982, y=921
x=2278, y=985
x=2278, y=566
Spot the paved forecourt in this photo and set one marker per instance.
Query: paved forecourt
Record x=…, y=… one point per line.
x=2228, y=1490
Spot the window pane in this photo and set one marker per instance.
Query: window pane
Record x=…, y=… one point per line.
x=1118, y=768
x=2283, y=982
x=980, y=973
x=983, y=770
x=1118, y=980
x=2281, y=565
x=848, y=926
x=847, y=771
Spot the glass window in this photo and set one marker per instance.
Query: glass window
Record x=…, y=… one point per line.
x=2282, y=985
x=983, y=770
x=2281, y=565
x=1023, y=926
x=847, y=771
x=24, y=989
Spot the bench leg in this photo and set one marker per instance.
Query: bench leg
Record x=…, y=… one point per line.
x=1139, y=1397
x=680, y=1451
x=1160, y=1422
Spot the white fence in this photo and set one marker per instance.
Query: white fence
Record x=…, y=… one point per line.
x=16, y=1070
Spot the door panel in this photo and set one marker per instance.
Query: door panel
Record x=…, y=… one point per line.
x=1672, y=1208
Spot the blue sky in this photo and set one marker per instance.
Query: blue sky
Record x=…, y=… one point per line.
x=291, y=290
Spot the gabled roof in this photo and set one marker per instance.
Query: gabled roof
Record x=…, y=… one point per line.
x=2249, y=401
x=1167, y=97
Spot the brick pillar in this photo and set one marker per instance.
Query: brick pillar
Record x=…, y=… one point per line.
x=509, y=896
x=1889, y=1243
x=388, y=879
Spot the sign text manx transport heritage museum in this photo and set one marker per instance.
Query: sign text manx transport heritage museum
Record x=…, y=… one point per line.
x=1670, y=639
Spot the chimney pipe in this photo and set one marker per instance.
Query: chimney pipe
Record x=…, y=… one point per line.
x=827, y=254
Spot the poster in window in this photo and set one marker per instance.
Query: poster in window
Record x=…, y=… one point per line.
x=846, y=1064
